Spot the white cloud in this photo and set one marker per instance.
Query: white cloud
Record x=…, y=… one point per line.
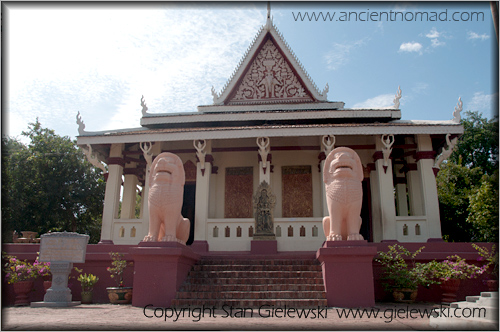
x=483, y=103
x=433, y=33
x=380, y=101
x=170, y=56
x=339, y=55
x=473, y=35
x=410, y=47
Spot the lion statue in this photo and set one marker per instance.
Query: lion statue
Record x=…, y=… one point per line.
x=343, y=174
x=166, y=191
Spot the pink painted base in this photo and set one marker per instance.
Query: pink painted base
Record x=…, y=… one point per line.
x=348, y=273
x=263, y=247
x=200, y=246
x=160, y=268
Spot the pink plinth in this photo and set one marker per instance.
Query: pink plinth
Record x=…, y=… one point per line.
x=262, y=247
x=160, y=268
x=199, y=246
x=348, y=273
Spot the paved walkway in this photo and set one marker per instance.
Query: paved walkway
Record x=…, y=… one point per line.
x=125, y=317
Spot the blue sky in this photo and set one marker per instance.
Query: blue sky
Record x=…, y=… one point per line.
x=100, y=59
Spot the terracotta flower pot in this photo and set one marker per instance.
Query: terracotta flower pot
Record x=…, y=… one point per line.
x=46, y=285
x=22, y=288
x=87, y=297
x=450, y=288
x=492, y=285
x=120, y=295
x=404, y=295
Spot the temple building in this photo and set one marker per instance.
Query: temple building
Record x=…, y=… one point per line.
x=271, y=123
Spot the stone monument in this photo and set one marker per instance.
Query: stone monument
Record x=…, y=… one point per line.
x=61, y=249
x=263, y=205
x=166, y=190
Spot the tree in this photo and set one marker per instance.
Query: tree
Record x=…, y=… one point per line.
x=468, y=183
x=478, y=146
x=48, y=185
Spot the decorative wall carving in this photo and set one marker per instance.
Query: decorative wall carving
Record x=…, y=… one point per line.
x=297, y=191
x=269, y=80
x=263, y=205
x=238, y=192
x=446, y=153
x=388, y=141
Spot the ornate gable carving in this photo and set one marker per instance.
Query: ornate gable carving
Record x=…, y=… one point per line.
x=269, y=79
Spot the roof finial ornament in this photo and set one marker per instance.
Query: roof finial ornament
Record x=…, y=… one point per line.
x=397, y=97
x=268, y=21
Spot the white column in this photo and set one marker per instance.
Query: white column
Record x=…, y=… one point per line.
x=112, y=193
x=129, y=196
x=202, y=194
x=327, y=144
x=429, y=193
x=401, y=198
x=149, y=151
x=377, y=228
x=386, y=195
x=414, y=189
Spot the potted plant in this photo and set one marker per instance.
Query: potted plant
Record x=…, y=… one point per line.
x=88, y=282
x=401, y=278
x=120, y=294
x=491, y=259
x=450, y=271
x=21, y=275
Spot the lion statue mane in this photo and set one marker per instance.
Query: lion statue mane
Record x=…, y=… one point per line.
x=166, y=191
x=342, y=175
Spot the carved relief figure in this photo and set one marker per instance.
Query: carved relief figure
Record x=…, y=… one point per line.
x=344, y=195
x=264, y=202
x=166, y=190
x=269, y=78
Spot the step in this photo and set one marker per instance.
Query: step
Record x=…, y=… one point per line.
x=472, y=298
x=255, y=281
x=257, y=267
x=250, y=303
x=318, y=287
x=251, y=295
x=255, y=274
x=270, y=262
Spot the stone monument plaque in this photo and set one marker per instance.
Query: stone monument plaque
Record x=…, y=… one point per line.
x=61, y=249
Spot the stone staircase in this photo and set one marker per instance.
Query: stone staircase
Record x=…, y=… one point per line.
x=252, y=283
x=481, y=314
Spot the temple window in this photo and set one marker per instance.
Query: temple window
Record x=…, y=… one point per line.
x=132, y=232
x=405, y=230
x=297, y=191
x=302, y=231
x=122, y=232
x=417, y=229
x=315, y=231
x=227, y=231
x=216, y=231
x=250, y=231
x=238, y=231
x=290, y=231
x=238, y=192
x=278, y=231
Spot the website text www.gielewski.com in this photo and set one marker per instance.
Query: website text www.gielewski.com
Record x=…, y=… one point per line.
x=389, y=16
x=196, y=314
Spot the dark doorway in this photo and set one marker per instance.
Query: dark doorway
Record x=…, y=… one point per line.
x=366, y=216
x=188, y=206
